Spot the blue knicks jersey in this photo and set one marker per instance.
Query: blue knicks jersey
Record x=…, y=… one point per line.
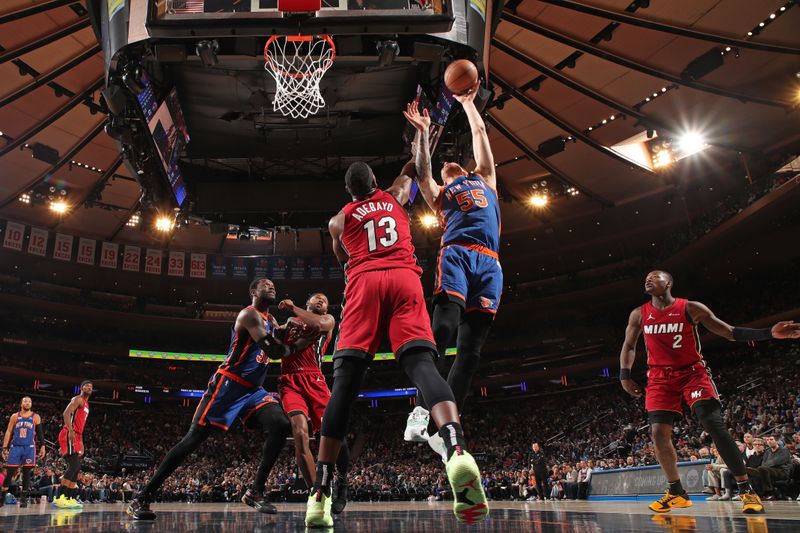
x=24, y=431
x=471, y=213
x=245, y=357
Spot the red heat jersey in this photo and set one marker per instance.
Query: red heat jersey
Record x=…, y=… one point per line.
x=377, y=235
x=308, y=360
x=670, y=336
x=79, y=417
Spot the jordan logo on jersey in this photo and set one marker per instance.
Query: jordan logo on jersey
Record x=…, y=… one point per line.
x=651, y=317
x=663, y=328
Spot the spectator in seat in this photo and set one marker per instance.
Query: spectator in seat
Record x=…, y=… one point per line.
x=571, y=483
x=584, y=478
x=715, y=481
x=776, y=466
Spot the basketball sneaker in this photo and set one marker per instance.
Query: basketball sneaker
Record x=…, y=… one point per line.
x=139, y=509
x=318, y=510
x=670, y=501
x=751, y=503
x=257, y=501
x=417, y=425
x=437, y=444
x=62, y=502
x=340, y=501
x=469, y=500
x=23, y=502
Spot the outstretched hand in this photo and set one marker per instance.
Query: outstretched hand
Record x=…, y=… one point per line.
x=786, y=329
x=632, y=388
x=286, y=305
x=420, y=121
x=468, y=96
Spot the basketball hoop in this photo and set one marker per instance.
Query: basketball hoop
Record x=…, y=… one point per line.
x=298, y=63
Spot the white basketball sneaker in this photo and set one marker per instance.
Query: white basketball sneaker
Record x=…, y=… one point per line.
x=437, y=444
x=417, y=425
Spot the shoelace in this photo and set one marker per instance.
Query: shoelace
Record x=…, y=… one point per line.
x=749, y=498
x=667, y=497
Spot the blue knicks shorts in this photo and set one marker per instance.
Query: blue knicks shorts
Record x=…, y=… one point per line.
x=22, y=455
x=227, y=398
x=470, y=275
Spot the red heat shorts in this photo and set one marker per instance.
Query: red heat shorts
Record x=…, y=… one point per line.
x=304, y=392
x=378, y=302
x=67, y=448
x=666, y=388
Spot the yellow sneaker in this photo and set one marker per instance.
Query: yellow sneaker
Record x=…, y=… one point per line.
x=469, y=500
x=62, y=502
x=74, y=504
x=318, y=510
x=669, y=502
x=751, y=503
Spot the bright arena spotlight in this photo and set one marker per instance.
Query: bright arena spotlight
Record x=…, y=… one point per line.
x=398, y=266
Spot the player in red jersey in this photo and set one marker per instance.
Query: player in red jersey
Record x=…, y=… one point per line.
x=23, y=428
x=372, y=238
x=304, y=393
x=678, y=372
x=70, y=440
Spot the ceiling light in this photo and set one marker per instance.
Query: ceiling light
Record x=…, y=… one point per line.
x=133, y=221
x=429, y=221
x=59, y=206
x=691, y=143
x=538, y=200
x=164, y=224
x=25, y=198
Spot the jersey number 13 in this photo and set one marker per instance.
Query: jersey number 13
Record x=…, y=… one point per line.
x=386, y=225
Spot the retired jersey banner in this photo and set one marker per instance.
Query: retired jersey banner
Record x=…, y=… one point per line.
x=63, y=247
x=152, y=261
x=238, y=267
x=175, y=265
x=279, y=268
x=198, y=266
x=219, y=268
x=297, y=267
x=86, y=249
x=37, y=245
x=132, y=258
x=14, y=235
x=261, y=267
x=109, y=252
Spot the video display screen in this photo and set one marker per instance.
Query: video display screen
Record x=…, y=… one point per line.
x=168, y=128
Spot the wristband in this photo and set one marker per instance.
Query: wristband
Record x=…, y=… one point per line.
x=749, y=334
x=624, y=373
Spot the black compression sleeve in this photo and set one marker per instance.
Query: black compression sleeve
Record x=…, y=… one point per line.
x=40, y=433
x=749, y=334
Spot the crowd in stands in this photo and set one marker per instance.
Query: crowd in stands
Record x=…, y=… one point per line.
x=580, y=432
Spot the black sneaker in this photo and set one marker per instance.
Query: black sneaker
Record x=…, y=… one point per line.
x=139, y=509
x=257, y=501
x=340, y=501
x=23, y=502
x=3, y=498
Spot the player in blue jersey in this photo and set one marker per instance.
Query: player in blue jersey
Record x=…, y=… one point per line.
x=235, y=391
x=23, y=429
x=469, y=279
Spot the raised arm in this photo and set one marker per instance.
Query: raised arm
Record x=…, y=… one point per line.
x=627, y=355
x=481, y=149
x=401, y=186
x=699, y=312
x=318, y=323
x=336, y=227
x=422, y=154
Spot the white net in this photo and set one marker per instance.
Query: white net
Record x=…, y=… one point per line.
x=298, y=63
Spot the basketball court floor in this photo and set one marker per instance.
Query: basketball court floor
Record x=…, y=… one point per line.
x=413, y=517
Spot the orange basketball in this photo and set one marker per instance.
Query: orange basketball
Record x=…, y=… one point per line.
x=461, y=76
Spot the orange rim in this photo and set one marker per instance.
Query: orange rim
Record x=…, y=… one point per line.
x=292, y=39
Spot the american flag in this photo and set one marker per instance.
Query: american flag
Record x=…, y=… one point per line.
x=185, y=7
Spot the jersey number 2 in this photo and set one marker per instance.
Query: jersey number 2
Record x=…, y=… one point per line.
x=389, y=227
x=678, y=340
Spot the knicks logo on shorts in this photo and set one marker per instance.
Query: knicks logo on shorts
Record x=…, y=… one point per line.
x=28, y=461
x=486, y=302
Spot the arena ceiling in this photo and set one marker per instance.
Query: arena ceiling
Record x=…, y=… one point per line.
x=558, y=68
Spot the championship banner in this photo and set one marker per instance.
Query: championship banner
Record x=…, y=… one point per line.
x=175, y=265
x=86, y=249
x=152, y=261
x=37, y=245
x=239, y=267
x=14, y=234
x=297, y=268
x=198, y=266
x=335, y=270
x=109, y=251
x=218, y=266
x=279, y=268
x=261, y=267
x=63, y=248
x=316, y=267
x=131, y=259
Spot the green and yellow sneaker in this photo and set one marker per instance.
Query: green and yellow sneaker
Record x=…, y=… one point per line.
x=318, y=510
x=469, y=500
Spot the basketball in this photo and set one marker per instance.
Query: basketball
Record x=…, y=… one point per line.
x=461, y=76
